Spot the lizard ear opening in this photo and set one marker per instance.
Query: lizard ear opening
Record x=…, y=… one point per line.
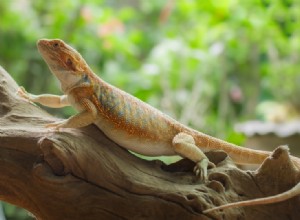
x=73, y=65
x=70, y=64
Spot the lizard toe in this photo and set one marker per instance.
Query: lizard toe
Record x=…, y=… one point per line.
x=55, y=125
x=201, y=169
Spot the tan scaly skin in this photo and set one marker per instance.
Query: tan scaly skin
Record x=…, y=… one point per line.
x=127, y=120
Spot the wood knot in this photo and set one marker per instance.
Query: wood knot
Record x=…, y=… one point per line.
x=51, y=158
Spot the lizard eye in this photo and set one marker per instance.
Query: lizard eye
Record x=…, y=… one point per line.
x=55, y=45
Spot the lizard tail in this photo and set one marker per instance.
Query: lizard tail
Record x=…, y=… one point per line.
x=240, y=155
x=261, y=201
x=249, y=156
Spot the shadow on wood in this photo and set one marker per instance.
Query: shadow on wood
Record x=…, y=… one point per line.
x=81, y=174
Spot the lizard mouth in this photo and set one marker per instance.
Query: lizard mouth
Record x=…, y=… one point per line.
x=48, y=51
x=43, y=47
x=42, y=43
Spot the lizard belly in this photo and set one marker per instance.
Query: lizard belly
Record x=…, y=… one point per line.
x=141, y=145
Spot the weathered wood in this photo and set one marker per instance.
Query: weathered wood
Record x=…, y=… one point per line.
x=81, y=174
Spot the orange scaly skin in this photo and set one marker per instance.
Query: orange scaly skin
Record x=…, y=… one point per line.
x=127, y=120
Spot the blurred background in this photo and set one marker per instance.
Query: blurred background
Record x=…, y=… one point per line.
x=209, y=64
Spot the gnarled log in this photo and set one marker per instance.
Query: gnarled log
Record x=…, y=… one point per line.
x=81, y=174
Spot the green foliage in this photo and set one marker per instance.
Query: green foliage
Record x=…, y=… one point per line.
x=206, y=63
x=15, y=213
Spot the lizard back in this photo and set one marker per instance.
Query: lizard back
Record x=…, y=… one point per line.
x=127, y=120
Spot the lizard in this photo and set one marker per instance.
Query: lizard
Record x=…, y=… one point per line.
x=130, y=122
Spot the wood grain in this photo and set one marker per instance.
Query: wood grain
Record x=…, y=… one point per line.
x=81, y=174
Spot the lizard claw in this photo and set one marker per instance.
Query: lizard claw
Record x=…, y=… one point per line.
x=55, y=125
x=25, y=95
x=22, y=92
x=201, y=168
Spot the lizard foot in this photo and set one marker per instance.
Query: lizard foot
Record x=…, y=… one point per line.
x=56, y=125
x=201, y=168
x=25, y=95
x=22, y=93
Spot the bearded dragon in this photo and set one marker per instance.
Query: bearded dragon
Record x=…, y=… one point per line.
x=128, y=121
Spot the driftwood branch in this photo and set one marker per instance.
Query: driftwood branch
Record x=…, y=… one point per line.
x=81, y=174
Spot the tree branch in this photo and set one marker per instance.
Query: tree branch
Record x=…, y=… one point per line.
x=81, y=174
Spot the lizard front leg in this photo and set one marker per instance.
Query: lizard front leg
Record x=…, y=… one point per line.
x=184, y=145
x=52, y=101
x=84, y=118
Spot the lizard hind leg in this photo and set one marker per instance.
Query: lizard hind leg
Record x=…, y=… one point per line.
x=184, y=145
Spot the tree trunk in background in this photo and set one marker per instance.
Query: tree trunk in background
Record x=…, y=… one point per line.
x=81, y=174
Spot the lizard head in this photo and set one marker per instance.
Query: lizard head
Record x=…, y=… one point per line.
x=63, y=61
